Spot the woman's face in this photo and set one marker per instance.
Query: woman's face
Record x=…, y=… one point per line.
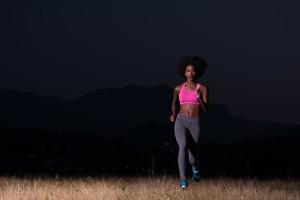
x=190, y=72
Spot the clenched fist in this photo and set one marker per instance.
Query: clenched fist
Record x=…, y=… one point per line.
x=172, y=118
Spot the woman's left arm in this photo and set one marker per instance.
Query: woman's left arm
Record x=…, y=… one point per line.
x=203, y=92
x=205, y=97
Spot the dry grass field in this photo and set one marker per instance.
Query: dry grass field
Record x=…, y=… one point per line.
x=92, y=188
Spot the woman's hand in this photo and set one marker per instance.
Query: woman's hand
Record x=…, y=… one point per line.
x=172, y=118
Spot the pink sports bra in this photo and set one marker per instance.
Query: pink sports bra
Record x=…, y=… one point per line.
x=188, y=96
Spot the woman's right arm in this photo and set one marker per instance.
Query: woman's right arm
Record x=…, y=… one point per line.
x=173, y=106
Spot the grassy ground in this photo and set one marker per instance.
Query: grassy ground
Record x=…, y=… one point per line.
x=12, y=188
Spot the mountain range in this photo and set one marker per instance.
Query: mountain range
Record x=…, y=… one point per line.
x=134, y=114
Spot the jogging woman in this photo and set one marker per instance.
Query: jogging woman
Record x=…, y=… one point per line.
x=193, y=99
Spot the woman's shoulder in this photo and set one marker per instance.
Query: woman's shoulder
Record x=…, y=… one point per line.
x=201, y=86
x=177, y=87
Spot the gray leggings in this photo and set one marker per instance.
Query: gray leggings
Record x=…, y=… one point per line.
x=182, y=126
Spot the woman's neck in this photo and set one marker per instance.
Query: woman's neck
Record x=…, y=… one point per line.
x=190, y=83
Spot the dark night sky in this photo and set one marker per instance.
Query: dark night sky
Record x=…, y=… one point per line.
x=66, y=48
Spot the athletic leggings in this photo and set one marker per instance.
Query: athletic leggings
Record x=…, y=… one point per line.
x=184, y=125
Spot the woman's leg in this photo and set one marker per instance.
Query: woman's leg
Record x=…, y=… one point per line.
x=194, y=129
x=180, y=134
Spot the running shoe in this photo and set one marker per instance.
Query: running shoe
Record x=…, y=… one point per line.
x=183, y=183
x=196, y=175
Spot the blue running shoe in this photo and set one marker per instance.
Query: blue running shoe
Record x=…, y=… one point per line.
x=196, y=175
x=183, y=183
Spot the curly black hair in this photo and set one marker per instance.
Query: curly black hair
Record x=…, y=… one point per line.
x=199, y=65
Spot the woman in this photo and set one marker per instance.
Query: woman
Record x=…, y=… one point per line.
x=193, y=99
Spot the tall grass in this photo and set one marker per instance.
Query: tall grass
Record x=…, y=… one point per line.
x=13, y=188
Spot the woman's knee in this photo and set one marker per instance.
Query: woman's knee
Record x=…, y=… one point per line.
x=183, y=147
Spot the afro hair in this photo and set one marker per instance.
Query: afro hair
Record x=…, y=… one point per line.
x=199, y=65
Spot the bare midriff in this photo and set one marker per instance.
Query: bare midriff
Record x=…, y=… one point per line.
x=190, y=110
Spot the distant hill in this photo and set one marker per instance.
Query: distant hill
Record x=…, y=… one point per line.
x=127, y=131
x=133, y=113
